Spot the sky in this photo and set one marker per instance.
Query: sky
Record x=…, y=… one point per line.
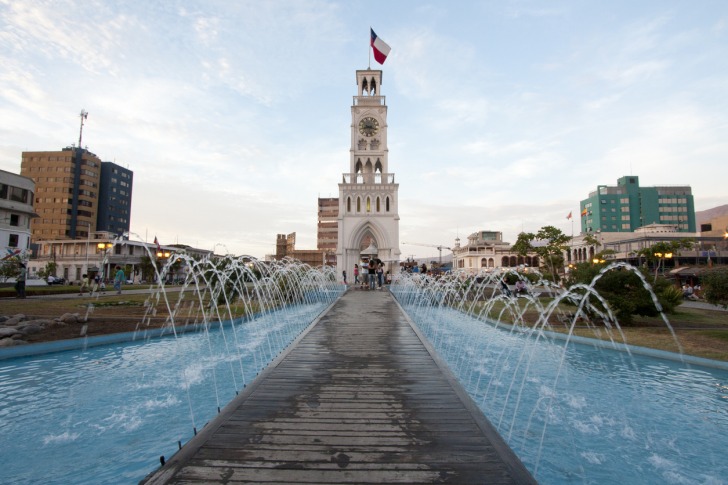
x=502, y=115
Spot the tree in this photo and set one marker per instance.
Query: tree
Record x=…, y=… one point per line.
x=146, y=266
x=49, y=270
x=9, y=269
x=523, y=245
x=715, y=286
x=658, y=252
x=625, y=291
x=553, y=250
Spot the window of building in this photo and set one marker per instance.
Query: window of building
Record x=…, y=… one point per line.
x=13, y=241
x=387, y=204
x=14, y=220
x=18, y=195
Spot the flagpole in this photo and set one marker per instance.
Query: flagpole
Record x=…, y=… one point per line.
x=369, y=50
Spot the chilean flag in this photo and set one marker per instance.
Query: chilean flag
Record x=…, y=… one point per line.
x=381, y=49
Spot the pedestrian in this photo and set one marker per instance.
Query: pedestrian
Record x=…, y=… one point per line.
x=84, y=284
x=344, y=272
x=119, y=278
x=380, y=274
x=20, y=281
x=372, y=267
x=356, y=273
x=504, y=288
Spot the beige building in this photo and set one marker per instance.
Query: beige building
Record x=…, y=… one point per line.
x=328, y=228
x=99, y=253
x=486, y=250
x=286, y=247
x=717, y=226
x=66, y=196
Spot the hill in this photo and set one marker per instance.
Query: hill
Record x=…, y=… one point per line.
x=701, y=217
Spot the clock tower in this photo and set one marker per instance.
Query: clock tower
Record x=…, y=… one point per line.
x=368, y=201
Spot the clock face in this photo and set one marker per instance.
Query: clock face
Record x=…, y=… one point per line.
x=368, y=126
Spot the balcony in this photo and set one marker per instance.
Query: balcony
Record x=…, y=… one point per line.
x=368, y=178
x=369, y=100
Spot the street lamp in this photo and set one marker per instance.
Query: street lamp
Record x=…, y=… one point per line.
x=88, y=240
x=102, y=248
x=661, y=260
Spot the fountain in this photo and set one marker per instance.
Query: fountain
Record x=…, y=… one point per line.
x=106, y=414
x=574, y=409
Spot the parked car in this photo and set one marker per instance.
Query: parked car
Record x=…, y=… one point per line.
x=55, y=280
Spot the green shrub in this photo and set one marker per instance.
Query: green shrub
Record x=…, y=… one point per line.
x=715, y=286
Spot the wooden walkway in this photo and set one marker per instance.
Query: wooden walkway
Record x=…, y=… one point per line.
x=358, y=399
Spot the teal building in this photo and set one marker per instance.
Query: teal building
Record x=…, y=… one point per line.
x=627, y=206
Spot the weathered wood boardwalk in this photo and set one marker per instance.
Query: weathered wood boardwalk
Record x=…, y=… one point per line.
x=359, y=399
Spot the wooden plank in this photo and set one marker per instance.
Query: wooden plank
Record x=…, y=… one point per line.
x=359, y=398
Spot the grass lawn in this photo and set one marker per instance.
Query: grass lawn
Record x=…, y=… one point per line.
x=700, y=332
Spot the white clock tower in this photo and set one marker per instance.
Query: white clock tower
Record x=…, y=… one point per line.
x=368, y=202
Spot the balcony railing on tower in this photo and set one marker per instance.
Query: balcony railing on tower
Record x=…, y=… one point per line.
x=369, y=100
x=368, y=178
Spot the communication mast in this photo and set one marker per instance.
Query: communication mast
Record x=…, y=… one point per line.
x=84, y=115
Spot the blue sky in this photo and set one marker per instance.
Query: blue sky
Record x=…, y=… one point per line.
x=235, y=115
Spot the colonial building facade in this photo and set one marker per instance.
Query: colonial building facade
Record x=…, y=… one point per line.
x=99, y=253
x=368, y=195
x=485, y=251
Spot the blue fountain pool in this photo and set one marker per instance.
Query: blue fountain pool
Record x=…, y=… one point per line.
x=106, y=414
x=584, y=413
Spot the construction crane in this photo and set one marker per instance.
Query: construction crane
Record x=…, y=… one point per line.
x=439, y=248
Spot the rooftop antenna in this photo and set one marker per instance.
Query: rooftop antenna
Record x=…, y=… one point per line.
x=84, y=115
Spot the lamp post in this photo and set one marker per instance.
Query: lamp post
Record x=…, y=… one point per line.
x=661, y=257
x=88, y=240
x=162, y=256
x=103, y=249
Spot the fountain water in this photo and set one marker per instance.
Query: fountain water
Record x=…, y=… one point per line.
x=575, y=410
x=105, y=414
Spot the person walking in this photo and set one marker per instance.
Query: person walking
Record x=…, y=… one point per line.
x=85, y=285
x=119, y=278
x=344, y=272
x=380, y=274
x=20, y=281
x=356, y=273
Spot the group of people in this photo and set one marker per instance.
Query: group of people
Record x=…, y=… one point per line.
x=100, y=284
x=370, y=275
x=689, y=291
x=520, y=288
